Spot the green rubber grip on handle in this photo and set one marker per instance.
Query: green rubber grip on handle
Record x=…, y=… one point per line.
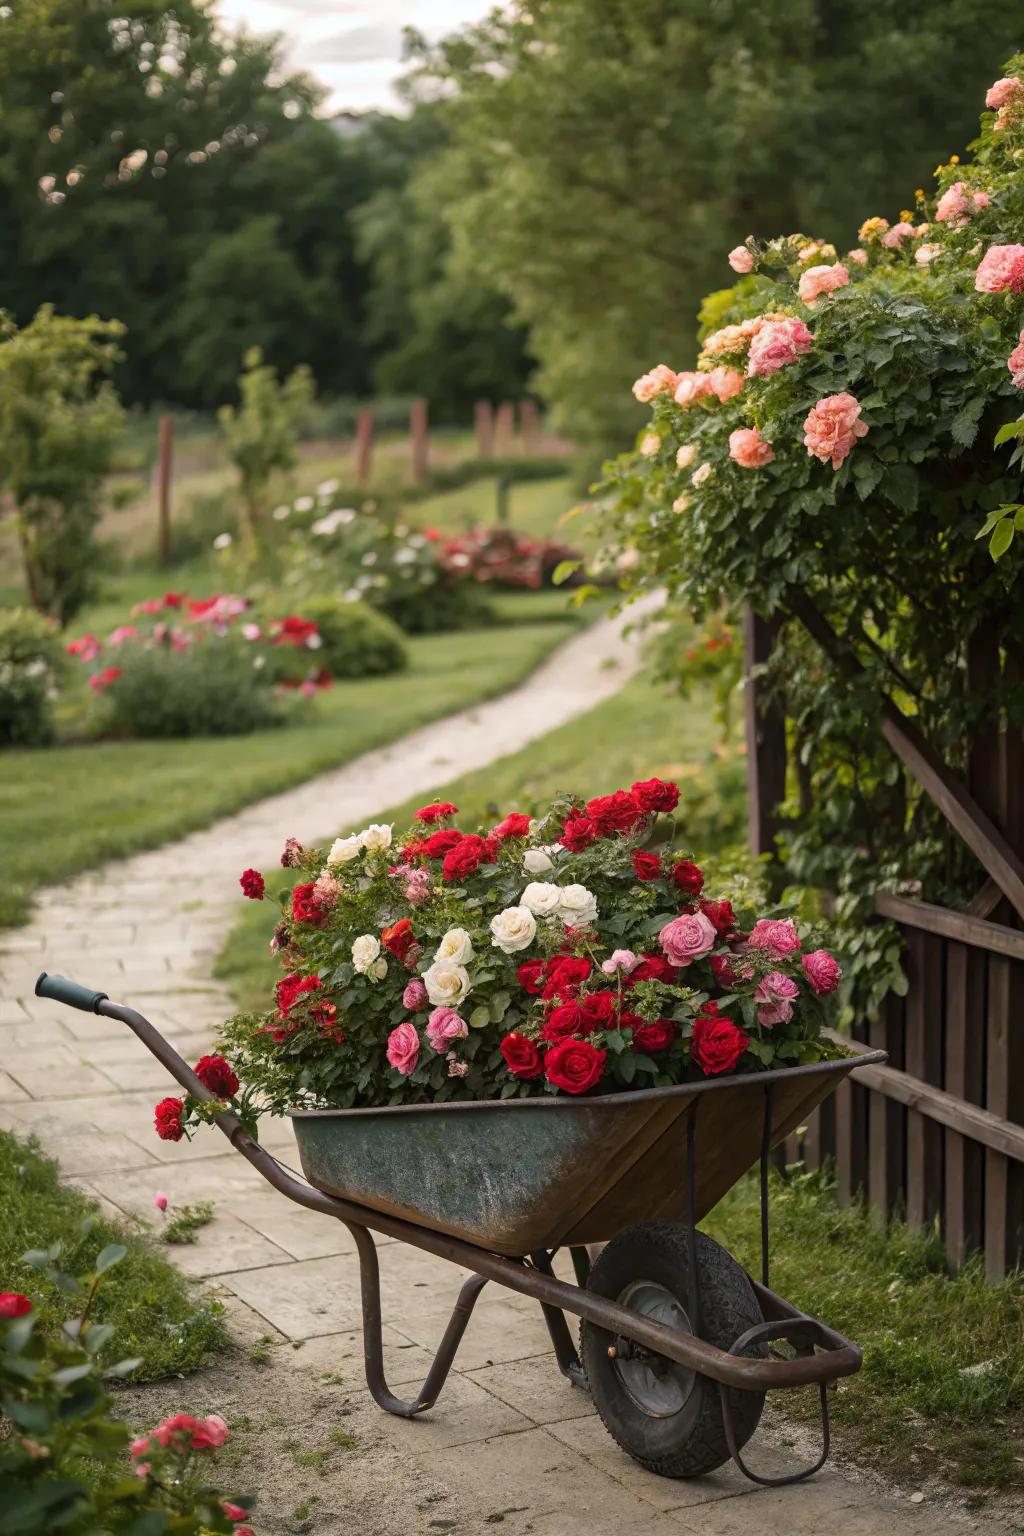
x=61, y=990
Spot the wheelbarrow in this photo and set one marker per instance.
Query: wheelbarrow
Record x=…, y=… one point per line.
x=675, y=1343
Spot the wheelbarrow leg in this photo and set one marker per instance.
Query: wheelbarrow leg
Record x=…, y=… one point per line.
x=373, y=1344
x=566, y=1354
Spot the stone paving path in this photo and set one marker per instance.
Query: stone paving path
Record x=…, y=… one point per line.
x=510, y=1442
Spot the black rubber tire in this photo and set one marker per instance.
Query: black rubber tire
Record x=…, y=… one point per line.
x=690, y=1442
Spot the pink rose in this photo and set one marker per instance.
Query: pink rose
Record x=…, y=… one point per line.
x=859, y=256
x=691, y=387
x=444, y=1026
x=894, y=237
x=749, y=449
x=742, y=260
x=832, y=427
x=415, y=994
x=416, y=889
x=776, y=345
x=726, y=382
x=687, y=938
x=776, y=935
x=326, y=891
x=456, y=1068
x=820, y=280
x=160, y=1201
x=621, y=962
x=957, y=203
x=775, y=994
x=404, y=1048
x=1003, y=92
x=660, y=381
x=822, y=971
x=1001, y=267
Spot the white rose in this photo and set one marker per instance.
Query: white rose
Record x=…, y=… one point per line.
x=378, y=970
x=375, y=837
x=456, y=948
x=541, y=898
x=577, y=905
x=536, y=861
x=447, y=984
x=365, y=950
x=513, y=929
x=343, y=849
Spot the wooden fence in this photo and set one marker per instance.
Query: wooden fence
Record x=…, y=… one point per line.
x=937, y=1134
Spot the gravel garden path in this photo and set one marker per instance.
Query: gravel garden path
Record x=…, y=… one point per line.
x=510, y=1444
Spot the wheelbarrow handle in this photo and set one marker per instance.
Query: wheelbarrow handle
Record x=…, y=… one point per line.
x=62, y=990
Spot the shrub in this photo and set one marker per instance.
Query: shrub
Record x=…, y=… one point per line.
x=261, y=433
x=214, y=688
x=30, y=657
x=356, y=640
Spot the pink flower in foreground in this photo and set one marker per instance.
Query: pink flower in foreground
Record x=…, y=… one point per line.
x=1002, y=92
x=817, y=281
x=957, y=203
x=620, y=962
x=777, y=935
x=403, y=1048
x=1001, y=268
x=687, y=938
x=894, y=237
x=160, y=1201
x=777, y=345
x=832, y=427
x=740, y=259
x=660, y=381
x=776, y=993
x=692, y=387
x=444, y=1026
x=1015, y=363
x=726, y=382
x=749, y=449
x=822, y=971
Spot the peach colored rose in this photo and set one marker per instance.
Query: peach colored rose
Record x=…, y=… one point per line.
x=926, y=254
x=1003, y=92
x=817, y=281
x=726, y=382
x=1001, y=268
x=660, y=381
x=702, y=474
x=686, y=455
x=776, y=345
x=681, y=503
x=894, y=237
x=1015, y=363
x=649, y=444
x=692, y=387
x=832, y=427
x=740, y=259
x=749, y=449
x=958, y=203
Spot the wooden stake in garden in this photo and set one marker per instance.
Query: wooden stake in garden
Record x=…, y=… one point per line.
x=418, y=440
x=504, y=428
x=165, y=453
x=364, y=445
x=483, y=426
x=529, y=425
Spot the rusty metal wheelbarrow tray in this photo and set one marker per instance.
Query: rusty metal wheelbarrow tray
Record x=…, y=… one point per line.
x=519, y=1175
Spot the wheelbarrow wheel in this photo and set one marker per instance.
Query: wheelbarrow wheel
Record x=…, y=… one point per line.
x=666, y=1417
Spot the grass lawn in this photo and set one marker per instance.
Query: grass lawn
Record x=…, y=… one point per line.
x=147, y=1301
x=65, y=809
x=535, y=507
x=941, y=1392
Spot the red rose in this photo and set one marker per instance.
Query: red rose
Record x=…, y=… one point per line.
x=646, y=866
x=578, y=833
x=218, y=1075
x=652, y=968
x=566, y=1019
x=530, y=975
x=514, y=825
x=167, y=1119
x=290, y=988
x=566, y=974
x=399, y=938
x=253, y=884
x=716, y=1045
x=436, y=812
x=14, y=1304
x=598, y=1010
x=654, y=1038
x=722, y=971
x=614, y=813
x=522, y=1057
x=719, y=914
x=304, y=908
x=325, y=1014
x=439, y=843
x=688, y=877
x=655, y=795
x=574, y=1065
x=465, y=858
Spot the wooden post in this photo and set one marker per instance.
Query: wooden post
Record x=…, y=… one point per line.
x=165, y=453
x=501, y=490
x=364, y=445
x=418, y=443
x=504, y=428
x=483, y=426
x=766, y=739
x=529, y=425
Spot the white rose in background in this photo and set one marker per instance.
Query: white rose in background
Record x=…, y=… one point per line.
x=541, y=898
x=536, y=861
x=456, y=948
x=365, y=950
x=577, y=906
x=513, y=929
x=343, y=849
x=375, y=838
x=446, y=983
x=378, y=970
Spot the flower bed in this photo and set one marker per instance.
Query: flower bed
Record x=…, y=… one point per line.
x=500, y=557
x=573, y=954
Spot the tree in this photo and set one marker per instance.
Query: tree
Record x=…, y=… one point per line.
x=617, y=148
x=59, y=418
x=261, y=433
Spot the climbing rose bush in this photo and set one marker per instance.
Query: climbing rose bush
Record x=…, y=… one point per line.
x=577, y=952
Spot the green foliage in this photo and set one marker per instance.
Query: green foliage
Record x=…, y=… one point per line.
x=59, y=417
x=261, y=433
x=215, y=688
x=31, y=659
x=187, y=1222
x=145, y=1300
x=356, y=640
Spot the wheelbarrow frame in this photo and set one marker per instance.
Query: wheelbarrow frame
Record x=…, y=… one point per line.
x=822, y=1355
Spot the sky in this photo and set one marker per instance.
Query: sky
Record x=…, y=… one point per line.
x=352, y=46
